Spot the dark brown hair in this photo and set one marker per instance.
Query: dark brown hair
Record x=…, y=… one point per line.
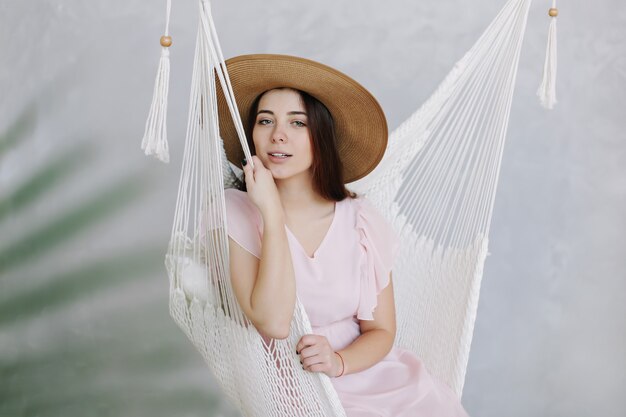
x=327, y=168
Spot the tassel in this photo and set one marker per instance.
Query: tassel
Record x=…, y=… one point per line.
x=155, y=136
x=547, y=89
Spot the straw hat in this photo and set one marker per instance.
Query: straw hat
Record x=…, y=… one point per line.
x=360, y=123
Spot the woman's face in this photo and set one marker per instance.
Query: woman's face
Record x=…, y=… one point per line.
x=281, y=135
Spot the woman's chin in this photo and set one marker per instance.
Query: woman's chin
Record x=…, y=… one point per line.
x=280, y=174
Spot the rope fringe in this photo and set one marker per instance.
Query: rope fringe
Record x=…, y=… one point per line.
x=154, y=140
x=547, y=89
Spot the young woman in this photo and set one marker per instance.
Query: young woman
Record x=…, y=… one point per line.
x=296, y=229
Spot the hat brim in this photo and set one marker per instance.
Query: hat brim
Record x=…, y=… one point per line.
x=360, y=124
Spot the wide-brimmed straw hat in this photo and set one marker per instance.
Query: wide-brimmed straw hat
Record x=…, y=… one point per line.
x=360, y=123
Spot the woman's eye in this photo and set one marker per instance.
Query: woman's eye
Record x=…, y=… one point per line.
x=299, y=123
x=264, y=122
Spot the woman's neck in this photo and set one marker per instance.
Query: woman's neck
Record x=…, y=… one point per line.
x=297, y=194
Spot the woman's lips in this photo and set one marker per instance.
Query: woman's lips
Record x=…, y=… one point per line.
x=278, y=157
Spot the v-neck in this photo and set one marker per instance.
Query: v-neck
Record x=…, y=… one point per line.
x=324, y=239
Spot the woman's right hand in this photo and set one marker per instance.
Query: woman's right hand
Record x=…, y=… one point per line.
x=261, y=188
x=265, y=286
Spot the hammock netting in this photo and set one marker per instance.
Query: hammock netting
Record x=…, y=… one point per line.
x=436, y=185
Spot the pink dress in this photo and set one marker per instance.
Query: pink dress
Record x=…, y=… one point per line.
x=338, y=286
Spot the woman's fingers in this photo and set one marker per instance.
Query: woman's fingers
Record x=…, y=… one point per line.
x=319, y=364
x=258, y=166
x=307, y=340
x=259, y=174
x=257, y=163
x=316, y=354
x=319, y=368
x=262, y=190
x=248, y=172
x=310, y=351
x=323, y=359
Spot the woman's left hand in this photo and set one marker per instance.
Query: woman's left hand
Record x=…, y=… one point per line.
x=316, y=355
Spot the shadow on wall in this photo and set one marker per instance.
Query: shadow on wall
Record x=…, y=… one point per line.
x=76, y=342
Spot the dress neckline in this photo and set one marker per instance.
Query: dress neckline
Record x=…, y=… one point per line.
x=324, y=239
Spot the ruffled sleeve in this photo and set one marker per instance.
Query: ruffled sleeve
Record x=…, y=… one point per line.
x=243, y=221
x=379, y=244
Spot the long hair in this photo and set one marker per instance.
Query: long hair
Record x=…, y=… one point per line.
x=327, y=169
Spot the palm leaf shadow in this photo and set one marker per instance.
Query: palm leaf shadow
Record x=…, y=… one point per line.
x=51, y=174
x=70, y=223
x=18, y=130
x=63, y=380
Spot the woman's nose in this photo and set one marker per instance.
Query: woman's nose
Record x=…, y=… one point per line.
x=278, y=136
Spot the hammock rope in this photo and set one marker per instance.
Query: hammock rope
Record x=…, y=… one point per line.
x=436, y=185
x=222, y=71
x=262, y=377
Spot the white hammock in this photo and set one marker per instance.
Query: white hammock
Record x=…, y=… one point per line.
x=436, y=185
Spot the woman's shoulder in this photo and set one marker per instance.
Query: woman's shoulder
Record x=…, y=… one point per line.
x=374, y=224
x=380, y=246
x=235, y=195
x=364, y=208
x=239, y=207
x=244, y=221
x=238, y=201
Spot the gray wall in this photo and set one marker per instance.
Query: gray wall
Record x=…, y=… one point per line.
x=550, y=335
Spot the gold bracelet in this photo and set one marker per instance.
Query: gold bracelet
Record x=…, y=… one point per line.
x=343, y=365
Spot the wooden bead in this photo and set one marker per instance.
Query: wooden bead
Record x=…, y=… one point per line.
x=553, y=12
x=166, y=41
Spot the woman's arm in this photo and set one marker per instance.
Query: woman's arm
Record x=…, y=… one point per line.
x=377, y=336
x=374, y=343
x=265, y=288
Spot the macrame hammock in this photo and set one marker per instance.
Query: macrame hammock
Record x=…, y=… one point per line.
x=436, y=185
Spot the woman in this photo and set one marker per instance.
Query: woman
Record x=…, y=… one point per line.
x=298, y=230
